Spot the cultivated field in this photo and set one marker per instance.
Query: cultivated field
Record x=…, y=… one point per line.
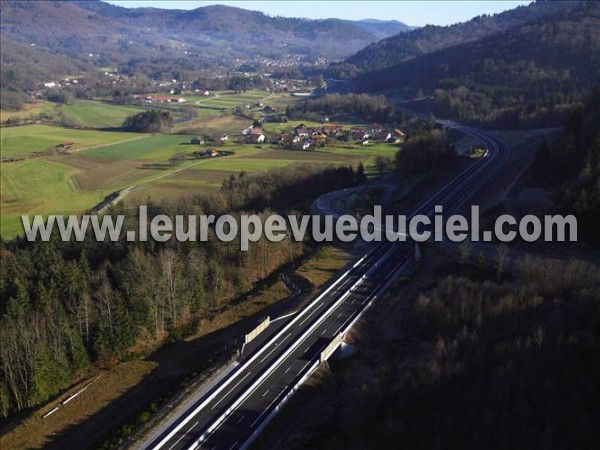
x=103, y=162
x=29, y=110
x=97, y=114
x=30, y=139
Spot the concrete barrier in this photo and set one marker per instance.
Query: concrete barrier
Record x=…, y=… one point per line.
x=259, y=329
x=331, y=347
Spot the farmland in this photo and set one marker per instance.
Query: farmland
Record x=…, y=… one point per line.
x=98, y=114
x=101, y=162
x=27, y=140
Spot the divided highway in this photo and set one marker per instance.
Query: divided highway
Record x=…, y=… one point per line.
x=234, y=412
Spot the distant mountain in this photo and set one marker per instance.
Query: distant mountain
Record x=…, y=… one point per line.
x=383, y=28
x=428, y=39
x=212, y=36
x=530, y=74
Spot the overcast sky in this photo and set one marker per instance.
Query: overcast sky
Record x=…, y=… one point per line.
x=416, y=13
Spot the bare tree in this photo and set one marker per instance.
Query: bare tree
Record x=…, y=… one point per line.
x=464, y=251
x=501, y=257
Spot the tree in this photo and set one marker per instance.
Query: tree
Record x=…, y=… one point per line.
x=361, y=177
x=149, y=122
x=177, y=159
x=501, y=256
x=382, y=164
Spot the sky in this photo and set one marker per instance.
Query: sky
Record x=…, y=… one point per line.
x=415, y=13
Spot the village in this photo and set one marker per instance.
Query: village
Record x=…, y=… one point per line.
x=304, y=138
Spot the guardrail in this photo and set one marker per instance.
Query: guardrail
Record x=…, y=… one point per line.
x=284, y=355
x=249, y=361
x=338, y=339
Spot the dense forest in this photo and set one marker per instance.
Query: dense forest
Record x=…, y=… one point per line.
x=431, y=38
x=149, y=122
x=530, y=75
x=495, y=365
x=66, y=305
x=344, y=106
x=425, y=151
x=571, y=168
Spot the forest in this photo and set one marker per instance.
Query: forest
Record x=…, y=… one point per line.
x=428, y=150
x=149, y=122
x=344, y=106
x=67, y=305
x=571, y=168
x=499, y=82
x=495, y=362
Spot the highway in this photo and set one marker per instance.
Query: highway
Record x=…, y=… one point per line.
x=234, y=412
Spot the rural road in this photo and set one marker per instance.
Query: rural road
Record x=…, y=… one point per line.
x=234, y=412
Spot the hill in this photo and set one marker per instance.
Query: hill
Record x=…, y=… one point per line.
x=22, y=67
x=533, y=74
x=428, y=39
x=212, y=36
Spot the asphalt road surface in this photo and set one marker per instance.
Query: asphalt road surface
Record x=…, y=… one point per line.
x=232, y=414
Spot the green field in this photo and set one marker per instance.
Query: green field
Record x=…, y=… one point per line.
x=97, y=114
x=152, y=148
x=102, y=162
x=39, y=186
x=29, y=110
x=27, y=140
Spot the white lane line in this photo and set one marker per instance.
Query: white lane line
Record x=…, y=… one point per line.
x=266, y=392
x=288, y=369
x=184, y=435
x=339, y=315
x=269, y=354
x=324, y=331
x=267, y=408
x=225, y=396
x=234, y=444
x=240, y=419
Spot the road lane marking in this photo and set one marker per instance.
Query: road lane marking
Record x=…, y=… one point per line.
x=267, y=408
x=288, y=369
x=266, y=392
x=234, y=444
x=184, y=435
x=225, y=396
x=269, y=354
x=240, y=419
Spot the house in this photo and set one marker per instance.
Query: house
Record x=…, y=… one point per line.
x=256, y=138
x=302, y=132
x=400, y=135
x=306, y=145
x=163, y=99
x=210, y=153
x=357, y=134
x=197, y=141
x=374, y=128
x=223, y=138
x=255, y=130
x=65, y=145
x=331, y=128
x=286, y=139
x=382, y=136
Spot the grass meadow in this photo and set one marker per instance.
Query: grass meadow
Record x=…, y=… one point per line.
x=30, y=139
x=102, y=162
